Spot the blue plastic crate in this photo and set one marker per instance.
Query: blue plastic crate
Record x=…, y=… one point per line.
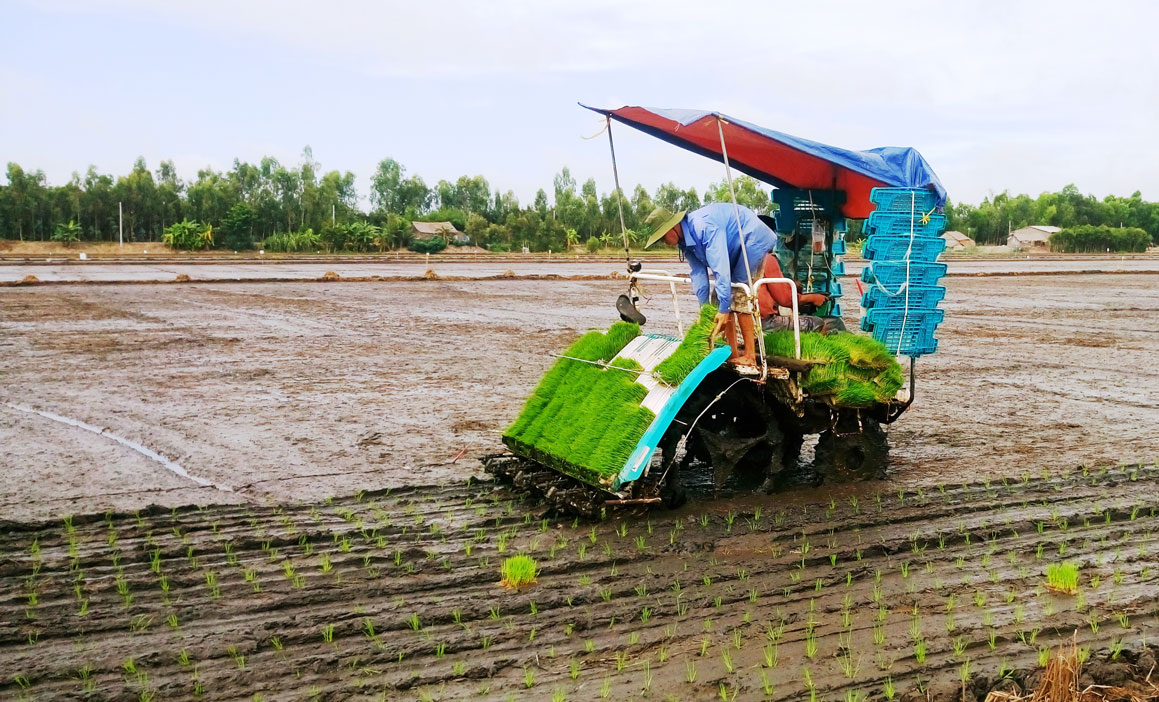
x=836, y=311
x=920, y=298
x=797, y=206
x=838, y=247
x=892, y=274
x=880, y=247
x=900, y=225
x=835, y=289
x=903, y=199
x=904, y=334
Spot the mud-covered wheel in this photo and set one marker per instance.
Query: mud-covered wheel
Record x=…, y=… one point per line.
x=663, y=480
x=791, y=448
x=856, y=449
x=672, y=493
x=739, y=435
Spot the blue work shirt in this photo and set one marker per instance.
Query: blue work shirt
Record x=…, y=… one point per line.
x=711, y=241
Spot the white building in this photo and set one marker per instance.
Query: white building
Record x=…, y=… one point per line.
x=956, y=241
x=1033, y=237
x=430, y=230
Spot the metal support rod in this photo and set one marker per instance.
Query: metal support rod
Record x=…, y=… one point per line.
x=619, y=195
x=676, y=308
x=796, y=319
x=757, y=332
x=672, y=280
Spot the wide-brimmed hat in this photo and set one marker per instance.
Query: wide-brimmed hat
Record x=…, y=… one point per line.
x=662, y=220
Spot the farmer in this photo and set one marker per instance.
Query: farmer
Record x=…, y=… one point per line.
x=711, y=241
x=772, y=297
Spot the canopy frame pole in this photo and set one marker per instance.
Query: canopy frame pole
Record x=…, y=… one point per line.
x=758, y=332
x=619, y=196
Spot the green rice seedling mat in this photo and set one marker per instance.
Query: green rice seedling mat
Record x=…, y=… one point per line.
x=584, y=420
x=854, y=370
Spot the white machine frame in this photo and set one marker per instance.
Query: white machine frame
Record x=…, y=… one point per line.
x=749, y=292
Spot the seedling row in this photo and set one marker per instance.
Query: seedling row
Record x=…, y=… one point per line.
x=447, y=593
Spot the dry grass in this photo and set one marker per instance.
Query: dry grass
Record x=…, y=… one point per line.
x=1060, y=683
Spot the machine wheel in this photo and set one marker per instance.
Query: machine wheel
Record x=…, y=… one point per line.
x=856, y=449
x=672, y=493
x=791, y=453
x=738, y=435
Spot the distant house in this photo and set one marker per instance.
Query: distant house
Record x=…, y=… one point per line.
x=1033, y=237
x=429, y=230
x=956, y=241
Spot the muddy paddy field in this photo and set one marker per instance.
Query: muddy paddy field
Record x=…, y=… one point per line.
x=265, y=491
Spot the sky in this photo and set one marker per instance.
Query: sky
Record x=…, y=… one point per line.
x=1019, y=96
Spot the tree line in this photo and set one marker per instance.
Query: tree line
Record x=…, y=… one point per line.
x=301, y=207
x=989, y=222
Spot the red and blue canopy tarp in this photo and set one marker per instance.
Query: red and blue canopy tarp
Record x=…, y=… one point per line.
x=786, y=161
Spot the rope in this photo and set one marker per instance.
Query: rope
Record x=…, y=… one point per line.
x=905, y=313
x=602, y=130
x=604, y=365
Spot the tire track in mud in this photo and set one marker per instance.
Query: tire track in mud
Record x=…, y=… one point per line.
x=393, y=594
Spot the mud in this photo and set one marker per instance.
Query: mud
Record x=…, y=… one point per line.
x=383, y=394
x=845, y=596
x=302, y=390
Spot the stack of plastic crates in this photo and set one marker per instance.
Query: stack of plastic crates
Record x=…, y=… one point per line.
x=816, y=272
x=902, y=246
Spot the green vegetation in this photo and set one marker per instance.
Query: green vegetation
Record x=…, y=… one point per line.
x=67, y=234
x=519, y=571
x=582, y=419
x=855, y=370
x=293, y=242
x=695, y=347
x=253, y=201
x=989, y=221
x=1098, y=239
x=432, y=245
x=188, y=236
x=1063, y=577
